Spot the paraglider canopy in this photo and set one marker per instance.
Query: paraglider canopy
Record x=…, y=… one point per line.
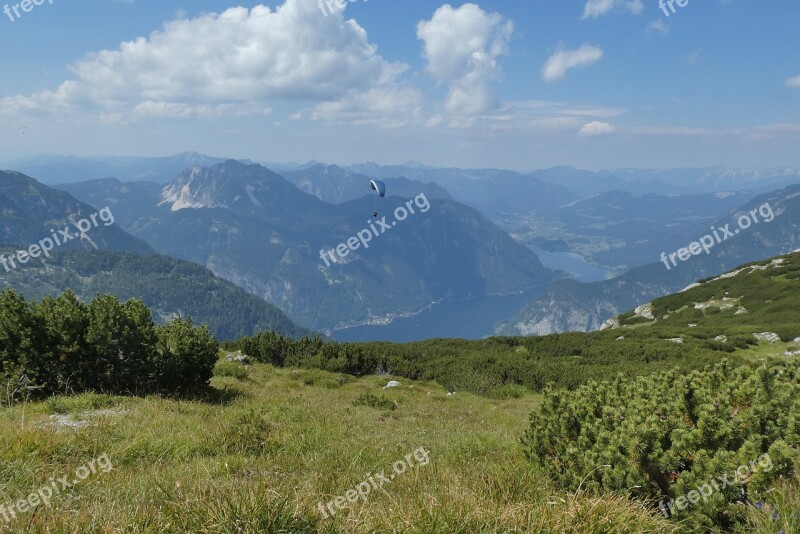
x=378, y=186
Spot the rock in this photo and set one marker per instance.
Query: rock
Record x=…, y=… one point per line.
x=769, y=337
x=612, y=323
x=239, y=358
x=722, y=339
x=645, y=311
x=392, y=384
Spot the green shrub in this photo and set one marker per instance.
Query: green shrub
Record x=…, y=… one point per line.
x=186, y=355
x=662, y=436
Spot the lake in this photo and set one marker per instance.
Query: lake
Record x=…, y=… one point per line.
x=467, y=319
x=571, y=263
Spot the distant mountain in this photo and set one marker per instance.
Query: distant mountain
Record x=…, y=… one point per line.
x=336, y=185
x=495, y=192
x=619, y=230
x=126, y=199
x=256, y=229
x=69, y=169
x=169, y=287
x=669, y=181
x=32, y=212
x=571, y=306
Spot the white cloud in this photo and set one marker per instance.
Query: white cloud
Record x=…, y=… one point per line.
x=462, y=47
x=239, y=61
x=597, y=8
x=387, y=107
x=658, y=25
x=562, y=61
x=596, y=129
x=793, y=82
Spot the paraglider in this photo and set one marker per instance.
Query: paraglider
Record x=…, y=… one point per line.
x=380, y=188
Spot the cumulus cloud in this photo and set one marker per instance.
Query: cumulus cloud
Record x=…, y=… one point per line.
x=596, y=129
x=562, y=61
x=597, y=8
x=462, y=47
x=235, y=62
x=793, y=82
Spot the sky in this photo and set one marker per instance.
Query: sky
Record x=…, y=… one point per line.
x=516, y=84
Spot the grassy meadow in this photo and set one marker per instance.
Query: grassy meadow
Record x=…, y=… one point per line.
x=273, y=443
x=270, y=444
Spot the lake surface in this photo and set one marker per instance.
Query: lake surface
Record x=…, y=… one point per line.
x=467, y=319
x=571, y=263
x=473, y=318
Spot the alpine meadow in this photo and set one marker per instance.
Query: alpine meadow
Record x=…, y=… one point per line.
x=340, y=267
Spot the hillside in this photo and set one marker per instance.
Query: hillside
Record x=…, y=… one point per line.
x=752, y=299
x=168, y=286
x=571, y=306
x=32, y=212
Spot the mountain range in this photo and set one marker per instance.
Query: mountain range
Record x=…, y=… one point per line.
x=256, y=229
x=265, y=232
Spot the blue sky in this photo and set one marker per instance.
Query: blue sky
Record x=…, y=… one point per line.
x=513, y=84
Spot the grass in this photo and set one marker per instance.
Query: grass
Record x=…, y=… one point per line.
x=289, y=440
x=285, y=440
